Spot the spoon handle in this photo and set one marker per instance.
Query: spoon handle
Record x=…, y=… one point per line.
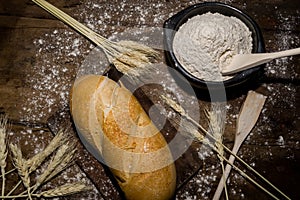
x=248, y=116
x=289, y=52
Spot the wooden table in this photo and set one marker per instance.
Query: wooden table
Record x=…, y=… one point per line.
x=40, y=56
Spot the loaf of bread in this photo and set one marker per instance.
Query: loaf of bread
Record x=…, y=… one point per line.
x=112, y=121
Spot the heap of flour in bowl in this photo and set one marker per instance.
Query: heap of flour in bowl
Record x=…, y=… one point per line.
x=207, y=42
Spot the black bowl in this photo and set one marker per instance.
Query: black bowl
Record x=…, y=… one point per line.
x=172, y=25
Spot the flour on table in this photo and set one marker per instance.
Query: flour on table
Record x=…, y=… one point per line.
x=206, y=43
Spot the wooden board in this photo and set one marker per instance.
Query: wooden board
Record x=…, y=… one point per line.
x=39, y=58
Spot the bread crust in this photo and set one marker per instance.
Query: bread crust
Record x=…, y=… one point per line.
x=112, y=121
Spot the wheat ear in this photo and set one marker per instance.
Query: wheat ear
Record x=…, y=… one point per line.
x=3, y=150
x=63, y=190
x=63, y=155
x=130, y=58
x=22, y=168
x=34, y=162
x=177, y=108
x=66, y=162
x=66, y=189
x=39, y=158
x=189, y=129
x=217, y=117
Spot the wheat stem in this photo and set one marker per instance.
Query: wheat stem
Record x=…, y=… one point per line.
x=14, y=188
x=3, y=150
x=8, y=172
x=225, y=185
x=61, y=160
x=201, y=138
x=66, y=189
x=129, y=57
x=63, y=190
x=52, y=165
x=206, y=142
x=256, y=172
x=177, y=108
x=34, y=162
x=250, y=179
x=14, y=196
x=20, y=164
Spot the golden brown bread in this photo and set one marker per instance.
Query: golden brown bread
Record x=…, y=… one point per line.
x=113, y=121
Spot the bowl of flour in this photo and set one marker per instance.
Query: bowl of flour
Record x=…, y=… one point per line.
x=203, y=38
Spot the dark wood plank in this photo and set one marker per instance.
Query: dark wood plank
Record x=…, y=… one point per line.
x=39, y=58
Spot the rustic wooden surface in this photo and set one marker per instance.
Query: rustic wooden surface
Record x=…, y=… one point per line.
x=39, y=57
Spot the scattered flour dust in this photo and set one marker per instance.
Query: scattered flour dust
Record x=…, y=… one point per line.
x=59, y=53
x=50, y=77
x=207, y=42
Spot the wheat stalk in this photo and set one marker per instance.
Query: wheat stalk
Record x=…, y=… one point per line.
x=177, y=108
x=8, y=172
x=34, y=162
x=61, y=160
x=3, y=150
x=189, y=129
x=130, y=58
x=63, y=190
x=250, y=179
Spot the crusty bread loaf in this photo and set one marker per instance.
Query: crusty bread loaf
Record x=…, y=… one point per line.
x=113, y=122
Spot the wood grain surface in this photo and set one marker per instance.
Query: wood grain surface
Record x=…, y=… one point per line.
x=40, y=57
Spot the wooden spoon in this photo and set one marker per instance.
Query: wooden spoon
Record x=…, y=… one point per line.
x=248, y=116
x=242, y=62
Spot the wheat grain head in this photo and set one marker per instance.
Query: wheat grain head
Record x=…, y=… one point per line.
x=66, y=189
x=3, y=150
x=216, y=117
x=59, y=139
x=20, y=164
x=3, y=147
x=64, y=154
x=65, y=163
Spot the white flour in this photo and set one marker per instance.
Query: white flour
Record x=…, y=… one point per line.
x=206, y=43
